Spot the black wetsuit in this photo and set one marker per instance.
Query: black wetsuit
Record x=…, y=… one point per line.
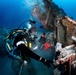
x=26, y=51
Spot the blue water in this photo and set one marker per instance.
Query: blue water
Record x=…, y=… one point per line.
x=12, y=14
x=68, y=6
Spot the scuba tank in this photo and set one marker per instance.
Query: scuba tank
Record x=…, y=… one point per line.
x=10, y=41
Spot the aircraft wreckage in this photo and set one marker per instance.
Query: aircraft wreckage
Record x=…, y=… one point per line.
x=55, y=19
x=63, y=27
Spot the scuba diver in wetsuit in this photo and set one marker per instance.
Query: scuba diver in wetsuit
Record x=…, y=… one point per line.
x=19, y=38
x=19, y=43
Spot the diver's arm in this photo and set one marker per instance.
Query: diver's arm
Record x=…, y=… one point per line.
x=19, y=43
x=31, y=54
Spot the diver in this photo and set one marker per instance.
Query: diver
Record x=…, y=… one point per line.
x=42, y=39
x=20, y=45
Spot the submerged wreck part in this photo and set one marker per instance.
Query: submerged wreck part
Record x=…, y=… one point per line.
x=50, y=14
x=64, y=30
x=55, y=19
x=70, y=30
x=66, y=61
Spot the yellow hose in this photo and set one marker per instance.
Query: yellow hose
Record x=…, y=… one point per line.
x=8, y=46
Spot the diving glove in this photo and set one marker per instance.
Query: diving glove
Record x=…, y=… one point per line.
x=46, y=62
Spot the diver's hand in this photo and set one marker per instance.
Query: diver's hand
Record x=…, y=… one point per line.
x=46, y=62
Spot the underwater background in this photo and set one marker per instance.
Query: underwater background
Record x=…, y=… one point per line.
x=15, y=12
